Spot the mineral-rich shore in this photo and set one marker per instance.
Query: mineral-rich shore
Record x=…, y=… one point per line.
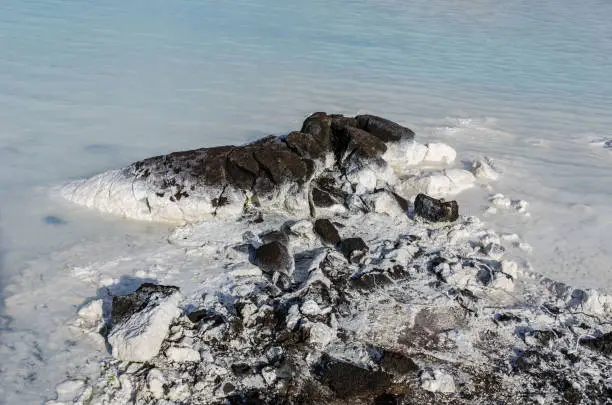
x=348, y=282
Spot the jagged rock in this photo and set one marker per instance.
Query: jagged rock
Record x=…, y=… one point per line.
x=353, y=249
x=327, y=231
x=140, y=321
x=274, y=257
x=385, y=130
x=435, y=210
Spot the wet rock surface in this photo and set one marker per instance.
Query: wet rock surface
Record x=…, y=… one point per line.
x=435, y=210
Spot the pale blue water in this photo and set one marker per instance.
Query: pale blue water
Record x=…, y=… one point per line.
x=86, y=86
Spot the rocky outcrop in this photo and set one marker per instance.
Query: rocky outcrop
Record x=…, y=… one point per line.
x=271, y=172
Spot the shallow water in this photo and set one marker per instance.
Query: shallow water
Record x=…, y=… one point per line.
x=86, y=87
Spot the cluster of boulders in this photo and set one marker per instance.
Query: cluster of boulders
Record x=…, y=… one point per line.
x=422, y=317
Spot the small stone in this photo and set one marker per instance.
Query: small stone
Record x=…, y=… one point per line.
x=435, y=210
x=327, y=231
x=438, y=381
x=156, y=381
x=275, y=236
x=274, y=257
x=354, y=249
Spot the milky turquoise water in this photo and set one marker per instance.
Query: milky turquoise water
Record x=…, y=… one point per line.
x=87, y=86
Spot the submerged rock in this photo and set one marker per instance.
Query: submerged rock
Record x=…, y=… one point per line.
x=140, y=321
x=435, y=210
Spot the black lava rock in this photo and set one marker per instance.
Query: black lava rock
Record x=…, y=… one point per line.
x=125, y=306
x=435, y=210
x=384, y=129
x=273, y=257
x=327, y=231
x=353, y=249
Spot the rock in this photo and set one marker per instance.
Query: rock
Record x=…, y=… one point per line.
x=182, y=354
x=435, y=210
x=140, y=321
x=327, y=231
x=384, y=129
x=322, y=198
x=72, y=392
x=348, y=380
x=602, y=344
x=277, y=236
x=155, y=382
x=319, y=334
x=438, y=381
x=274, y=257
x=220, y=181
x=439, y=153
x=397, y=363
x=353, y=249
x=482, y=168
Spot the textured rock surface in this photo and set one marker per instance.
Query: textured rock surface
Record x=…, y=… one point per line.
x=140, y=321
x=435, y=210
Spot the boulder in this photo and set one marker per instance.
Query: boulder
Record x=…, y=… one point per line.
x=274, y=257
x=327, y=231
x=435, y=210
x=140, y=321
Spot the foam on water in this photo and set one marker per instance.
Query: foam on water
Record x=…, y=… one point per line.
x=89, y=87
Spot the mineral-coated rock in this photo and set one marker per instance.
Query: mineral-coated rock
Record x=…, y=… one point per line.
x=140, y=321
x=435, y=210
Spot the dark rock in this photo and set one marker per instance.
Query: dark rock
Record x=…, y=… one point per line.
x=228, y=388
x=397, y=363
x=370, y=281
x=322, y=198
x=359, y=143
x=277, y=236
x=384, y=129
x=125, y=306
x=327, y=231
x=273, y=257
x=202, y=315
x=319, y=126
x=241, y=369
x=348, y=380
x=353, y=249
x=306, y=145
x=602, y=344
x=506, y=317
x=435, y=210
x=398, y=272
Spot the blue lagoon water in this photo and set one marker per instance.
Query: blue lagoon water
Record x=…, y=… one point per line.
x=87, y=86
